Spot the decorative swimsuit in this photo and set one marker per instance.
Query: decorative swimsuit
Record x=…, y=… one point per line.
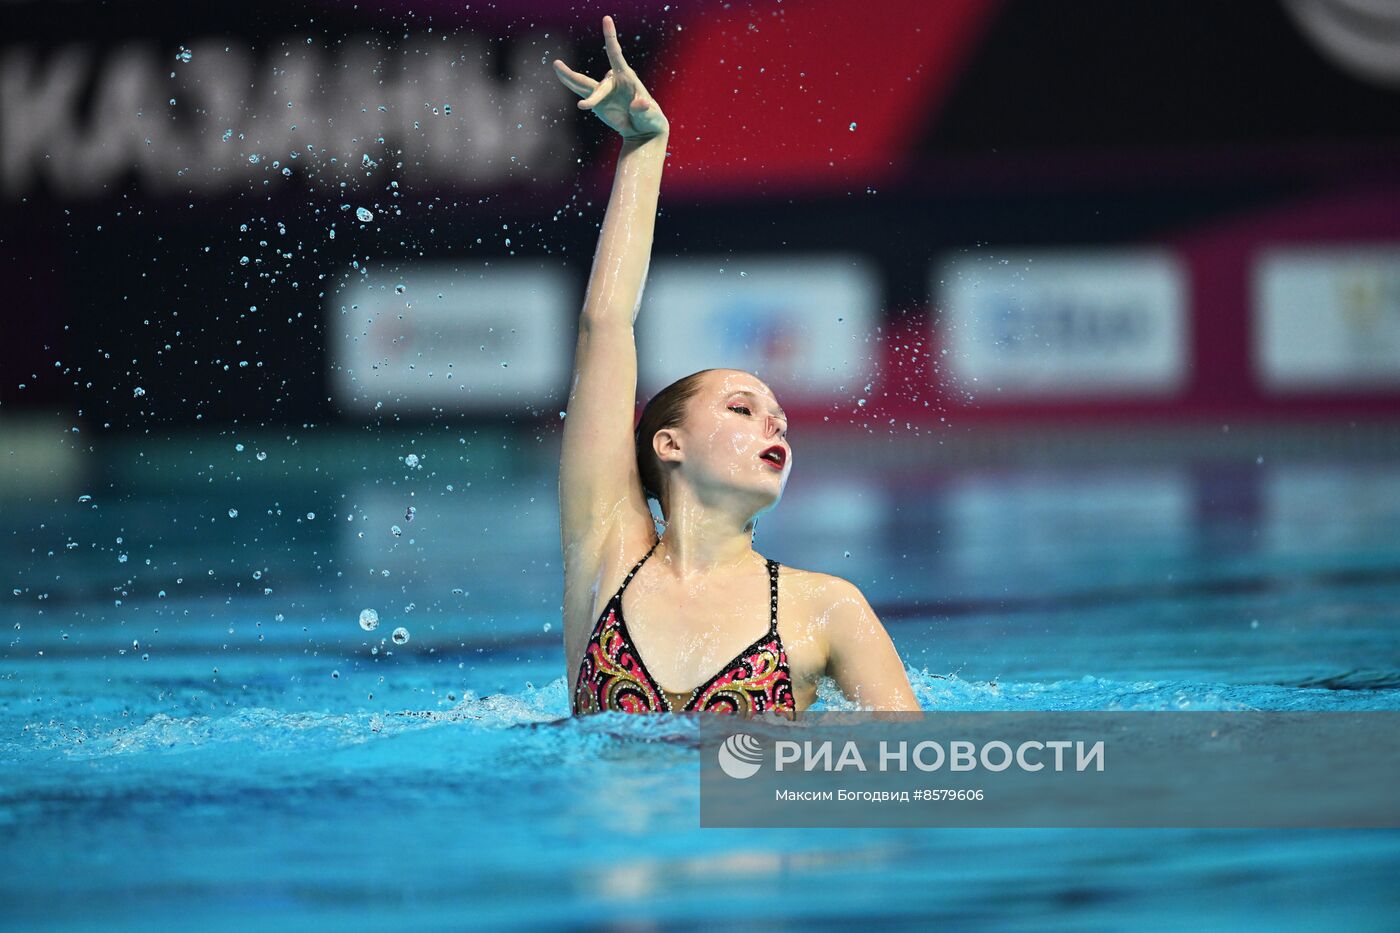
x=612, y=675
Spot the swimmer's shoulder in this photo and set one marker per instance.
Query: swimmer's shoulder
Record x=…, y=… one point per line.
x=817, y=595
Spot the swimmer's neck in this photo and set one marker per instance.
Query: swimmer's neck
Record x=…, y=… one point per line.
x=697, y=547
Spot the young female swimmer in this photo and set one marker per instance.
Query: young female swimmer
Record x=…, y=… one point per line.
x=721, y=628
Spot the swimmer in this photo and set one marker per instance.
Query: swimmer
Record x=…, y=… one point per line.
x=721, y=627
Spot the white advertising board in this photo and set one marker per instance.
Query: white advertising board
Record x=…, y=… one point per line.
x=455, y=337
x=1021, y=325
x=1327, y=318
x=803, y=324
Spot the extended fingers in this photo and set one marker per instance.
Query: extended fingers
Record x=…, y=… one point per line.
x=602, y=90
x=610, y=43
x=580, y=84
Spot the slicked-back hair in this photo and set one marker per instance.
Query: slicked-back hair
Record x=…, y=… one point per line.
x=666, y=409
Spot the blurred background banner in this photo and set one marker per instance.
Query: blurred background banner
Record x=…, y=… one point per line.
x=806, y=322
x=440, y=337
x=1326, y=319
x=1040, y=325
x=1187, y=217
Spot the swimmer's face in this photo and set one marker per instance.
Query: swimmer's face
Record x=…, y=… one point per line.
x=730, y=422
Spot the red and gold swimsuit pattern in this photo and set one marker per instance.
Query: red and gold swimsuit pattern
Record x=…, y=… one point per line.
x=612, y=675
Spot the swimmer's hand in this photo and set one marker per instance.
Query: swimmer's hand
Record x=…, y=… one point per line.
x=619, y=100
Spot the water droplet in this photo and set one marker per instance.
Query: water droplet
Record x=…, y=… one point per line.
x=411, y=461
x=262, y=455
x=409, y=513
x=396, y=531
x=400, y=636
x=365, y=214
x=369, y=620
x=232, y=513
x=310, y=516
x=853, y=126
x=137, y=392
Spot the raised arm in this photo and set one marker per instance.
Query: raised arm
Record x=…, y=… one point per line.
x=601, y=502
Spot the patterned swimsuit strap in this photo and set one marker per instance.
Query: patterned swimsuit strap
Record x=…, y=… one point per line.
x=633, y=572
x=773, y=592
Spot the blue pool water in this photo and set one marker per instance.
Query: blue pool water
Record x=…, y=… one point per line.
x=195, y=732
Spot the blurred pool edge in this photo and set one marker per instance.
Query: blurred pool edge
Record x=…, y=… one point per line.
x=42, y=455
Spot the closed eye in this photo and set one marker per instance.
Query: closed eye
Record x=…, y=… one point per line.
x=745, y=409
